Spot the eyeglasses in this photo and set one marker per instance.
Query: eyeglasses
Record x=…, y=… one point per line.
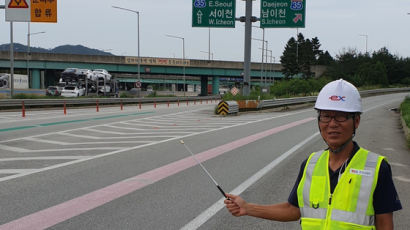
x=326, y=118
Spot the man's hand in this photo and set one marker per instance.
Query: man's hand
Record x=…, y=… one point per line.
x=235, y=205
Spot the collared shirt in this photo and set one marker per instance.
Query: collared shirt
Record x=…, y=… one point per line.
x=385, y=198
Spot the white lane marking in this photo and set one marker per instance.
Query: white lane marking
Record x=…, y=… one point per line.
x=84, y=143
x=66, y=133
x=211, y=211
x=69, y=130
x=163, y=128
x=386, y=103
x=402, y=178
x=137, y=133
x=103, y=131
x=78, y=112
x=21, y=150
x=17, y=171
x=43, y=158
x=46, y=141
x=111, y=138
x=119, y=127
x=398, y=164
x=170, y=124
x=388, y=149
x=13, y=149
x=6, y=178
x=73, y=149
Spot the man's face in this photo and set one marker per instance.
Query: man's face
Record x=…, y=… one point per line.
x=337, y=127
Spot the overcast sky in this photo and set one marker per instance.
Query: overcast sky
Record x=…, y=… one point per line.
x=94, y=23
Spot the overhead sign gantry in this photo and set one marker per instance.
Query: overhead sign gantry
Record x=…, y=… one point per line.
x=283, y=13
x=211, y=13
x=273, y=14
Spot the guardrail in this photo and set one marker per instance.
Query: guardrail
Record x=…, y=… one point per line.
x=300, y=100
x=14, y=103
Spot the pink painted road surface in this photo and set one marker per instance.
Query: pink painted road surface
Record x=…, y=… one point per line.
x=64, y=211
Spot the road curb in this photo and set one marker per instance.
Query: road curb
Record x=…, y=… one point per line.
x=405, y=128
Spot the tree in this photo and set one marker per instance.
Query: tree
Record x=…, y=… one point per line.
x=306, y=58
x=316, y=49
x=288, y=59
x=325, y=59
x=298, y=57
x=371, y=74
x=395, y=71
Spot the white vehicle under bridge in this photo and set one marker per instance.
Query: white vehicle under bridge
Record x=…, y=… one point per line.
x=95, y=82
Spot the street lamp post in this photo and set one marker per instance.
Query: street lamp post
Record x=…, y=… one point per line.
x=366, y=36
x=28, y=48
x=183, y=55
x=271, y=79
x=210, y=55
x=138, y=38
x=263, y=49
x=209, y=43
x=263, y=53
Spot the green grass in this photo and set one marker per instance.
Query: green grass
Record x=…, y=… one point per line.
x=405, y=112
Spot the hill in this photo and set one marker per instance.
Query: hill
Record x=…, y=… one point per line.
x=65, y=49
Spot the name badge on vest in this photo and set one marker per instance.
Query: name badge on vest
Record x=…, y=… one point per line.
x=361, y=172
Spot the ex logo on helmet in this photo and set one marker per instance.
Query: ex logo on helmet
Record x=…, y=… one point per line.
x=337, y=98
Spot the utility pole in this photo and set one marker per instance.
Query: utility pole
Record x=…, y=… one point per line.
x=247, y=55
x=11, y=61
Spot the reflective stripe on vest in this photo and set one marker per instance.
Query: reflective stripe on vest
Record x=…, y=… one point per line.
x=314, y=213
x=359, y=215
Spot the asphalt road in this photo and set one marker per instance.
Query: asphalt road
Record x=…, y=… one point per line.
x=127, y=169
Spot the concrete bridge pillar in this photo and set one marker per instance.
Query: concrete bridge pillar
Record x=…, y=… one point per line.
x=215, y=85
x=36, y=79
x=204, y=85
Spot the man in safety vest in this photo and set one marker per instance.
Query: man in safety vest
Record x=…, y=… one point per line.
x=343, y=187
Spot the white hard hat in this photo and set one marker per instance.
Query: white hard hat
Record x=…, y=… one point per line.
x=339, y=95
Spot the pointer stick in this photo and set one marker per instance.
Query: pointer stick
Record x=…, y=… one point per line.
x=210, y=176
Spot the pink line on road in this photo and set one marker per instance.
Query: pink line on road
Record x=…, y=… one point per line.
x=64, y=211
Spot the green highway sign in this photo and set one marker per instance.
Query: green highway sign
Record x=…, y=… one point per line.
x=283, y=13
x=213, y=13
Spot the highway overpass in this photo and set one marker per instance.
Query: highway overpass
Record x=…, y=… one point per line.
x=45, y=69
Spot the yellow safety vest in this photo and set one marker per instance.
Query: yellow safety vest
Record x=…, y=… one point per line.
x=350, y=206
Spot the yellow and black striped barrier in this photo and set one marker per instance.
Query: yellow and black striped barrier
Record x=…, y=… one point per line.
x=227, y=107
